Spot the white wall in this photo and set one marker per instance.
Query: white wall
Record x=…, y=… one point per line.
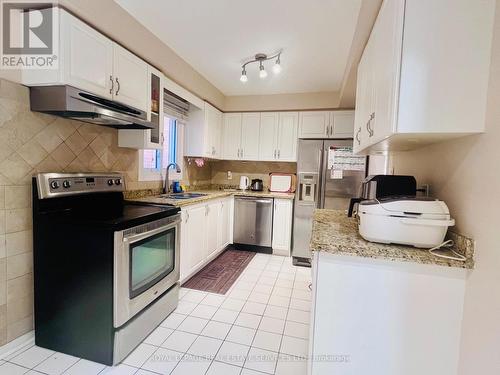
x=466, y=174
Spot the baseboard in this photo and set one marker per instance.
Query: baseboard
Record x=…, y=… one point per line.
x=28, y=339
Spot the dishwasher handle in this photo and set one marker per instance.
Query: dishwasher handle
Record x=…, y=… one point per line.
x=256, y=200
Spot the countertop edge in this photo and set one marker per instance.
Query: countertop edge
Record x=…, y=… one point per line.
x=334, y=233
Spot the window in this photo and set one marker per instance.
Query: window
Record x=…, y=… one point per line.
x=154, y=162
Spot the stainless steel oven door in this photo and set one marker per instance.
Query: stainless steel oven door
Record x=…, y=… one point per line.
x=146, y=264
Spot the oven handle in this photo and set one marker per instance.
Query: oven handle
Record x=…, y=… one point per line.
x=140, y=236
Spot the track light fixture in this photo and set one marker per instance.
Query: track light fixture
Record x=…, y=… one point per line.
x=260, y=58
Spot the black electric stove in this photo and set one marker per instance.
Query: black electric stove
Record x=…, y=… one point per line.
x=77, y=223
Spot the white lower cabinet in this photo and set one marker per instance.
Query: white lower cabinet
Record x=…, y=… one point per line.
x=282, y=226
x=381, y=317
x=205, y=231
x=213, y=224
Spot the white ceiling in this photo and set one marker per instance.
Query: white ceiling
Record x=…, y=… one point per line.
x=216, y=36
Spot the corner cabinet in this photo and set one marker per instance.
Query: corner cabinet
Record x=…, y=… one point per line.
x=326, y=124
x=150, y=138
x=206, y=230
x=204, y=132
x=411, y=91
x=282, y=226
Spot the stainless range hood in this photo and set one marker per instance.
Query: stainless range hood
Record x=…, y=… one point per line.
x=76, y=104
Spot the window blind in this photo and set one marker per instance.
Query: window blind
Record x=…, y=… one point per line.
x=175, y=106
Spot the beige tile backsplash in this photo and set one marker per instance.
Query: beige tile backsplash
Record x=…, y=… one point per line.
x=32, y=143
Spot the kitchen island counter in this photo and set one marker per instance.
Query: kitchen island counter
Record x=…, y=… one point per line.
x=335, y=233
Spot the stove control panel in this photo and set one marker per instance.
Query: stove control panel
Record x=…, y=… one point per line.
x=61, y=184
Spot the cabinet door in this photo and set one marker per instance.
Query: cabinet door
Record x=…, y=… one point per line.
x=88, y=57
x=388, y=38
x=223, y=233
x=130, y=75
x=250, y=124
x=195, y=236
x=212, y=212
x=343, y=124
x=287, y=136
x=231, y=135
x=361, y=102
x=367, y=123
x=268, y=134
x=217, y=135
x=282, y=226
x=313, y=124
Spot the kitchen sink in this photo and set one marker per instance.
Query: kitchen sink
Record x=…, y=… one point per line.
x=182, y=195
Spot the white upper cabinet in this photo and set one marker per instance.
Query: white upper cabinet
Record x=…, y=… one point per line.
x=414, y=87
x=89, y=71
x=92, y=62
x=204, y=132
x=232, y=136
x=241, y=136
x=326, y=124
x=314, y=124
x=266, y=136
x=343, y=124
x=130, y=78
x=150, y=138
x=269, y=128
x=250, y=124
x=286, y=143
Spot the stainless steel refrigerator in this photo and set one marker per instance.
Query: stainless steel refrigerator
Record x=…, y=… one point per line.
x=328, y=175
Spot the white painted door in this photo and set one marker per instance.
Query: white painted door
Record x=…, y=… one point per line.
x=313, y=124
x=282, y=226
x=195, y=236
x=130, y=75
x=224, y=225
x=212, y=213
x=269, y=124
x=387, y=63
x=343, y=124
x=231, y=135
x=88, y=57
x=250, y=126
x=287, y=136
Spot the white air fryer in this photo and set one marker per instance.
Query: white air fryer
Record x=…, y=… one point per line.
x=419, y=222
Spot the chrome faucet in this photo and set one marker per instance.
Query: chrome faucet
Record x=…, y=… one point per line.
x=166, y=186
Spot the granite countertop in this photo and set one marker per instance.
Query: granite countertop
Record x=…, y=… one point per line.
x=210, y=194
x=335, y=233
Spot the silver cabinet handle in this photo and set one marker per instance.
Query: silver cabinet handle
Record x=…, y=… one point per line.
x=368, y=125
x=275, y=154
x=357, y=136
x=117, y=84
x=331, y=130
x=279, y=154
x=112, y=84
x=328, y=130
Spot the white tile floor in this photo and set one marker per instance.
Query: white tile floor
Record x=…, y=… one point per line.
x=261, y=326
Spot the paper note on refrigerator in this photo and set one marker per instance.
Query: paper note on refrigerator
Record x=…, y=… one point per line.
x=342, y=158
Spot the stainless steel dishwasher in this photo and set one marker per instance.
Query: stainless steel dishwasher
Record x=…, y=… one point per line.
x=253, y=221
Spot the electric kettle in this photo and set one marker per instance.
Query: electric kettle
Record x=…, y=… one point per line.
x=244, y=182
